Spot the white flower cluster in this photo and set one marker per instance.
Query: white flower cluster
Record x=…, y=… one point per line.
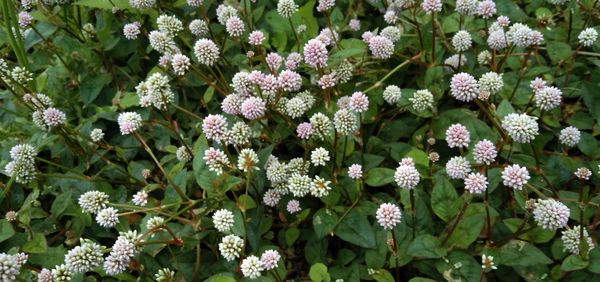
x=155, y=91
x=125, y=248
x=22, y=165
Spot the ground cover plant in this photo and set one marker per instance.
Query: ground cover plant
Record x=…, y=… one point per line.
x=257, y=140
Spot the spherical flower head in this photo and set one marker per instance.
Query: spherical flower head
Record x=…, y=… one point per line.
x=206, y=51
x=247, y=160
x=461, y=41
x=503, y=21
x=198, y=27
x=458, y=167
x=299, y=184
x=93, y=201
x=571, y=239
x=214, y=127
x=223, y=220
x=142, y=4
x=484, y=57
x=537, y=84
x=476, y=183
x=295, y=107
x=345, y=121
x=315, y=53
x=548, y=98
x=325, y=5
x=9, y=268
x=23, y=153
x=569, y=136
x=367, y=36
x=491, y=82
x=45, y=275
x=286, y=8
x=216, y=160
x=454, y=62
x=269, y=259
x=25, y=19
x=588, y=37
x=85, y=257
x=484, y=152
x=256, y=38
x=289, y=80
x=321, y=125
x=583, y=173
x=407, y=176
x=486, y=9
x=224, y=12
x=253, y=108
x=293, y=206
x=180, y=64
x=390, y=16
x=183, y=155
x=520, y=35
x=54, y=117
x=114, y=265
x=557, y=2
x=96, y=135
x=355, y=171
x=293, y=61
x=359, y=102
x=458, y=136
x=251, y=267
x=466, y=7
x=140, y=198
x=431, y=6
x=194, y=3
x=235, y=27
x=381, y=47
x=464, y=87
x=392, y=33
x=162, y=42
x=231, y=246
x=129, y=122
x=169, y=24
x=421, y=100
x=11, y=216
x=304, y=130
x=320, y=187
x=515, y=176
x=388, y=215
x=392, y=94
x=272, y=197
x=354, y=24
x=521, y=127
x=433, y=157
x=319, y=156
x=550, y=214
x=107, y=217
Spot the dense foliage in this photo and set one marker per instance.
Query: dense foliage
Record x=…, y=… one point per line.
x=325, y=140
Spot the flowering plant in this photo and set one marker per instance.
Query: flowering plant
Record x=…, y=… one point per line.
x=344, y=140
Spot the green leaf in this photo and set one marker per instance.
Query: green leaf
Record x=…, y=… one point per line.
x=574, y=262
x=52, y=257
x=589, y=92
x=444, y=199
x=92, y=86
x=221, y=277
x=291, y=235
x=324, y=222
x=379, y=176
x=535, y=235
x=36, y=245
x=318, y=272
x=558, y=51
x=426, y=246
x=61, y=203
x=518, y=253
x=383, y=275
x=466, y=232
x=355, y=229
x=504, y=108
x=103, y=4
x=6, y=230
x=594, y=265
